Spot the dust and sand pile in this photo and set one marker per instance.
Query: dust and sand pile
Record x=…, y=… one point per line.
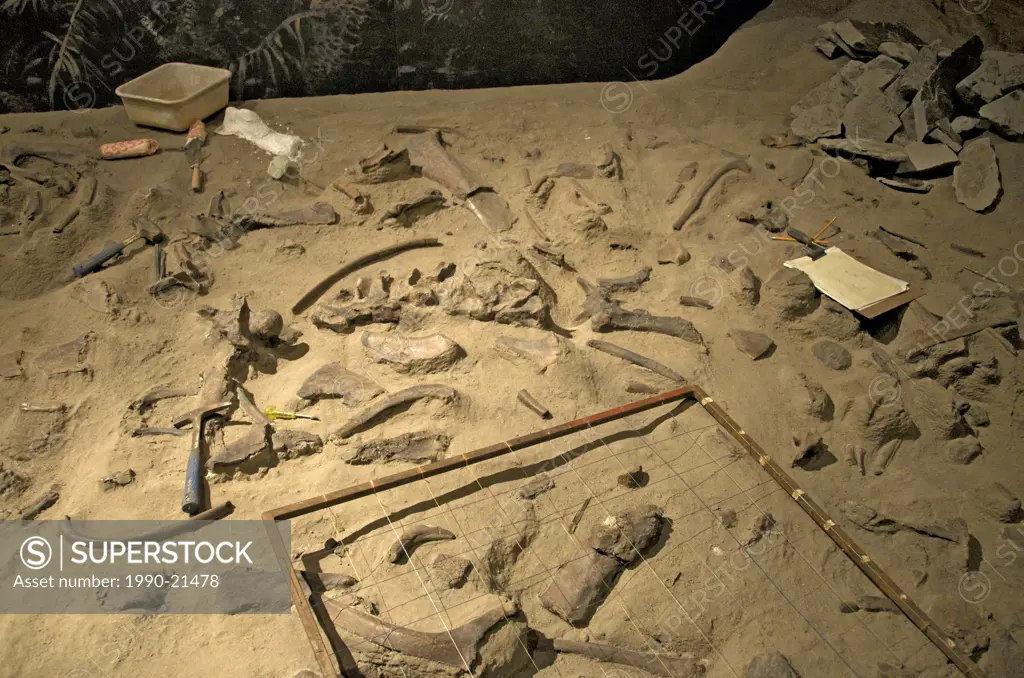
x=910, y=443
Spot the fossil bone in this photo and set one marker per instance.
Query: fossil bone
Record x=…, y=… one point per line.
x=407, y=396
x=655, y=664
x=410, y=539
x=458, y=648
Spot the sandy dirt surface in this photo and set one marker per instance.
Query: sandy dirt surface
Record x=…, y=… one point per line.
x=710, y=587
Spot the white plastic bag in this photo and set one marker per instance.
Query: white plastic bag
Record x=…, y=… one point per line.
x=246, y=124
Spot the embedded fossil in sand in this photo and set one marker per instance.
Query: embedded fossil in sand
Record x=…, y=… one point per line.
x=421, y=534
x=412, y=355
x=335, y=381
x=457, y=648
x=409, y=395
x=608, y=316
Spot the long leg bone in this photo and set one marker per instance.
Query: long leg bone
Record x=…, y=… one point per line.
x=421, y=534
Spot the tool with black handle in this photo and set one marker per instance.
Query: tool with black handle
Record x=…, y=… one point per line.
x=111, y=250
x=192, y=500
x=814, y=250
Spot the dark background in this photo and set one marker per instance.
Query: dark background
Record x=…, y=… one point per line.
x=59, y=54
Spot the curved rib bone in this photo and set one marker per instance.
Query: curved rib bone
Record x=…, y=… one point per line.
x=436, y=647
x=405, y=397
x=410, y=539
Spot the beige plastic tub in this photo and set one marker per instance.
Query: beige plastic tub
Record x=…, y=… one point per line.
x=175, y=95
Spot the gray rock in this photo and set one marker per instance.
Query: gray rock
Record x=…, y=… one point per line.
x=335, y=381
x=903, y=52
x=412, y=355
x=628, y=534
x=835, y=91
x=825, y=120
x=964, y=124
x=1006, y=115
x=963, y=450
x=942, y=136
x=868, y=116
x=754, y=344
x=922, y=157
x=773, y=665
x=828, y=48
x=913, y=77
x=935, y=100
x=789, y=293
x=976, y=177
x=864, y=148
x=998, y=502
x=832, y=355
x=908, y=184
x=999, y=73
x=449, y=572
x=419, y=447
x=580, y=586
x=292, y=443
x=877, y=74
x=828, y=30
x=867, y=36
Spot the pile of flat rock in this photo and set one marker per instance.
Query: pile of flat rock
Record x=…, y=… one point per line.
x=913, y=111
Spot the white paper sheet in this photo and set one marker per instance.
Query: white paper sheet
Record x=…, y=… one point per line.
x=848, y=281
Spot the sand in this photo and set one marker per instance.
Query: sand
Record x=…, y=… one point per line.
x=722, y=107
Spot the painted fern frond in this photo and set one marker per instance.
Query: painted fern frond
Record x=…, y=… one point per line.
x=279, y=52
x=69, y=55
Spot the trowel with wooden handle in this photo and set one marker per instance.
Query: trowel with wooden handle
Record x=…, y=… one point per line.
x=193, y=148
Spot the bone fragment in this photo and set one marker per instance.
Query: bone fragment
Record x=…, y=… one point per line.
x=635, y=358
x=34, y=509
x=630, y=283
x=402, y=549
x=694, y=302
x=407, y=396
x=526, y=399
x=377, y=255
x=698, y=197
x=655, y=664
x=438, y=647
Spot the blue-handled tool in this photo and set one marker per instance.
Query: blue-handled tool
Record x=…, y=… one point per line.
x=192, y=500
x=111, y=250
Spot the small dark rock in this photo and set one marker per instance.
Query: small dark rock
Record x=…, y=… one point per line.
x=754, y=344
x=634, y=478
x=832, y=355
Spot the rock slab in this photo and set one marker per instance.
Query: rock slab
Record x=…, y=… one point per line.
x=976, y=177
